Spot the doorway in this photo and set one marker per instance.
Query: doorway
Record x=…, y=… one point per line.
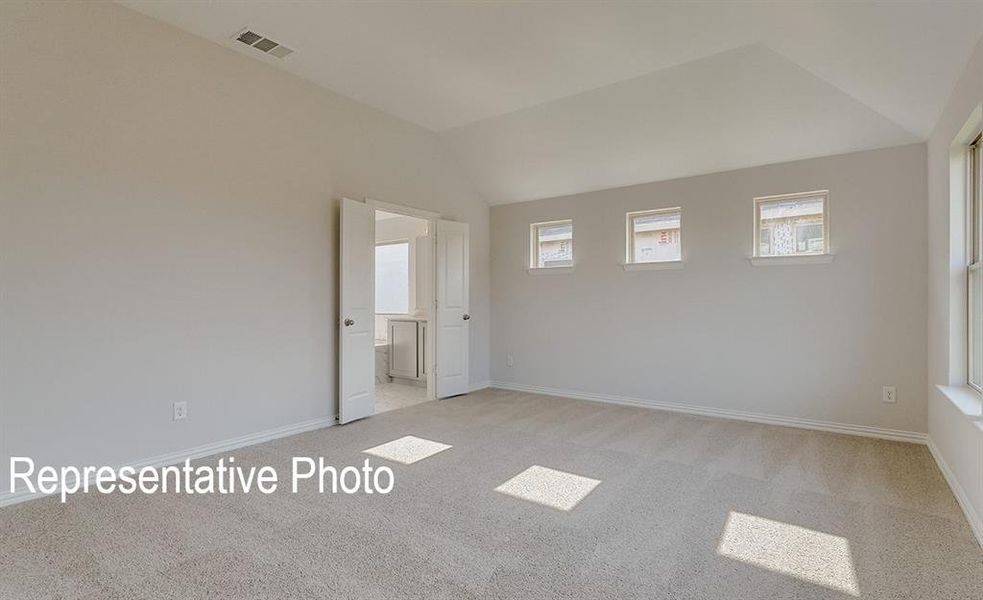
x=416, y=331
x=403, y=303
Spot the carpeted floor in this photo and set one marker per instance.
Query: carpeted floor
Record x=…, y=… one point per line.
x=685, y=507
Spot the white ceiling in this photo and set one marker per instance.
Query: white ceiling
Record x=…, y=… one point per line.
x=542, y=99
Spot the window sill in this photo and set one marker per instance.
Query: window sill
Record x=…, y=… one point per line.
x=662, y=265
x=774, y=261
x=548, y=270
x=965, y=398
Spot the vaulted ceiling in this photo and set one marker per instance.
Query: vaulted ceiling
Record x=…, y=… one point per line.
x=541, y=99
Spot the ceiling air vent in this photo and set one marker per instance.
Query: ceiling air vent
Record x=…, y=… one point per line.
x=263, y=44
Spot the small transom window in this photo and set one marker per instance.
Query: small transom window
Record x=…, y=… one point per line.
x=791, y=225
x=654, y=236
x=551, y=244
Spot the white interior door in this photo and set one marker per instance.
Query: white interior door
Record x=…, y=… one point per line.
x=356, y=337
x=453, y=319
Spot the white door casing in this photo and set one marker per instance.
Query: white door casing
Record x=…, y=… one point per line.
x=356, y=336
x=452, y=311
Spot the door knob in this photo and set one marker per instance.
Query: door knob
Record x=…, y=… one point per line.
x=466, y=317
x=349, y=322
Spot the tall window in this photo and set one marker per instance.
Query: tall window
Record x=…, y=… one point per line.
x=791, y=225
x=551, y=244
x=974, y=273
x=654, y=236
x=392, y=278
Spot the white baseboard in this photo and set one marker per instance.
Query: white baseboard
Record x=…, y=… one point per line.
x=171, y=458
x=975, y=523
x=474, y=387
x=706, y=411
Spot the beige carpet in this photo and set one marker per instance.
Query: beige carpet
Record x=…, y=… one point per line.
x=685, y=507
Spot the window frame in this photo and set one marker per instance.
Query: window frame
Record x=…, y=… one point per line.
x=534, y=228
x=756, y=222
x=974, y=246
x=630, y=235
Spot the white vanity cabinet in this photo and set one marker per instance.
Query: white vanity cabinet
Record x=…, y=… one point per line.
x=406, y=348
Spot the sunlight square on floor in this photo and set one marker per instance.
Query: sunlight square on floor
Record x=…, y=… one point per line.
x=549, y=487
x=407, y=449
x=813, y=556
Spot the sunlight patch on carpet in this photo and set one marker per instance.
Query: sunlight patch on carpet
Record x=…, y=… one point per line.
x=407, y=450
x=549, y=487
x=805, y=554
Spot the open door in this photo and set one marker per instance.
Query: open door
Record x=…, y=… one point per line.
x=452, y=316
x=356, y=337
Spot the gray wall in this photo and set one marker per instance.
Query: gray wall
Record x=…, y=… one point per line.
x=809, y=341
x=956, y=437
x=168, y=231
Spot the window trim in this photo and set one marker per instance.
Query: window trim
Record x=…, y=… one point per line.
x=630, y=236
x=756, y=224
x=533, y=262
x=974, y=244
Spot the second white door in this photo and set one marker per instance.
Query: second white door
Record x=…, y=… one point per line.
x=453, y=327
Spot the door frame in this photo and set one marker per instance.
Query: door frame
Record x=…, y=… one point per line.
x=430, y=343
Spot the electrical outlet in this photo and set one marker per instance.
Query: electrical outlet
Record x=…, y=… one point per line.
x=180, y=411
x=508, y=360
x=889, y=394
